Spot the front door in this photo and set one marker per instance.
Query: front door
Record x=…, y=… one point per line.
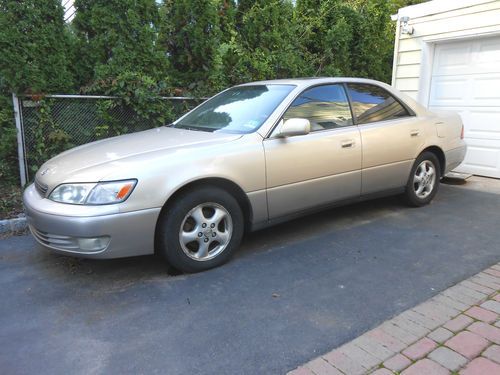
x=318, y=168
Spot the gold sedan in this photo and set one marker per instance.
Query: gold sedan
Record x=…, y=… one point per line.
x=252, y=156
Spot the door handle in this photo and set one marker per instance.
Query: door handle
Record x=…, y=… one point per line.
x=347, y=143
x=415, y=132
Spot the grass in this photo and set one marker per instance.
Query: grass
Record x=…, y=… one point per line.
x=11, y=204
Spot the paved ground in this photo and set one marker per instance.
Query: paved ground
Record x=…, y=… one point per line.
x=457, y=331
x=293, y=293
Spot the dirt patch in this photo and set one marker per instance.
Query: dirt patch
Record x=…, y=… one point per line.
x=11, y=202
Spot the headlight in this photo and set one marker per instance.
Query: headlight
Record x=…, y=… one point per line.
x=71, y=193
x=93, y=193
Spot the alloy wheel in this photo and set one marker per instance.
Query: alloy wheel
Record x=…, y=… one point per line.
x=205, y=231
x=424, y=179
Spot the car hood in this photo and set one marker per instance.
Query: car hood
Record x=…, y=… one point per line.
x=94, y=161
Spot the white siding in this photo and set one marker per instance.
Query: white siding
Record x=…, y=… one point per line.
x=411, y=57
x=408, y=71
x=407, y=84
x=436, y=21
x=409, y=44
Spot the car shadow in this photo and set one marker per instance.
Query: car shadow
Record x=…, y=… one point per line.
x=147, y=268
x=319, y=223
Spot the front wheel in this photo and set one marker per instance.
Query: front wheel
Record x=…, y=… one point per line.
x=200, y=230
x=423, y=182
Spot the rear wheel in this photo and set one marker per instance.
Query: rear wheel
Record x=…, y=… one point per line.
x=201, y=229
x=423, y=182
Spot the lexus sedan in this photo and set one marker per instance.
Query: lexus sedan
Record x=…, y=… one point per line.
x=251, y=156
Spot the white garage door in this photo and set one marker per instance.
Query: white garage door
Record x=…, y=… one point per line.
x=466, y=79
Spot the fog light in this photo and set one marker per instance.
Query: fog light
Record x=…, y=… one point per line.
x=93, y=244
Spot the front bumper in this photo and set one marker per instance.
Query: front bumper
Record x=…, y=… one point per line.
x=101, y=232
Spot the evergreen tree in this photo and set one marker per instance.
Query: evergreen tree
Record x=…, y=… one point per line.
x=394, y=5
x=224, y=58
x=190, y=34
x=269, y=42
x=350, y=38
x=327, y=28
x=35, y=44
x=117, y=36
x=242, y=8
x=227, y=18
x=374, y=41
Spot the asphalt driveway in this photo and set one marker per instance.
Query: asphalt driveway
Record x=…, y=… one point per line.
x=294, y=292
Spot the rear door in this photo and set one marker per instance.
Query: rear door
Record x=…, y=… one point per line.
x=321, y=167
x=390, y=135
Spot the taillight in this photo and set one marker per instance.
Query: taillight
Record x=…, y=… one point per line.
x=462, y=132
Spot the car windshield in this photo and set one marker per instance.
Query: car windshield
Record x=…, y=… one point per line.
x=238, y=110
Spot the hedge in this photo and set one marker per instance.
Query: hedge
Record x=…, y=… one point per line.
x=141, y=49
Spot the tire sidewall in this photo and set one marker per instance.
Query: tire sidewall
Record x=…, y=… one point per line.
x=172, y=218
x=411, y=196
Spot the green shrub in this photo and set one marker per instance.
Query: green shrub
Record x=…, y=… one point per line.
x=137, y=102
x=9, y=172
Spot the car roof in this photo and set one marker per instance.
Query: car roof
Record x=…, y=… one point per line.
x=307, y=81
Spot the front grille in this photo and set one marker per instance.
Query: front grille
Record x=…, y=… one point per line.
x=41, y=188
x=55, y=241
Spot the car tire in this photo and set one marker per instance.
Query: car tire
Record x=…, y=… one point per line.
x=423, y=182
x=200, y=230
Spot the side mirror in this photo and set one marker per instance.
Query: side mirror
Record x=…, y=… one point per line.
x=294, y=126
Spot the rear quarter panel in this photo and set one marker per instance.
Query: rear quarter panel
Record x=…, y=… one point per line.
x=448, y=129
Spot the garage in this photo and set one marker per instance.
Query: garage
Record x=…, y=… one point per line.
x=447, y=56
x=466, y=79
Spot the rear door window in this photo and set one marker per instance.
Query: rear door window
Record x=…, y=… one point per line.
x=371, y=103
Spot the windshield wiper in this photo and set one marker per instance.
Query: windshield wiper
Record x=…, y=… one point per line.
x=195, y=128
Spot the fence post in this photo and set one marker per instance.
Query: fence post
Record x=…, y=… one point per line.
x=20, y=140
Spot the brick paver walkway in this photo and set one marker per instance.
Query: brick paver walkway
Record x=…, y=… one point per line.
x=455, y=332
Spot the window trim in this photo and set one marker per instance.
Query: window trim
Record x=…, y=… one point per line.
x=342, y=84
x=346, y=89
x=411, y=112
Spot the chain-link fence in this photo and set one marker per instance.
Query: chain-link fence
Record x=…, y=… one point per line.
x=52, y=124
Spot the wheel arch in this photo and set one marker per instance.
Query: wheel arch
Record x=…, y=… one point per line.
x=436, y=150
x=230, y=186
